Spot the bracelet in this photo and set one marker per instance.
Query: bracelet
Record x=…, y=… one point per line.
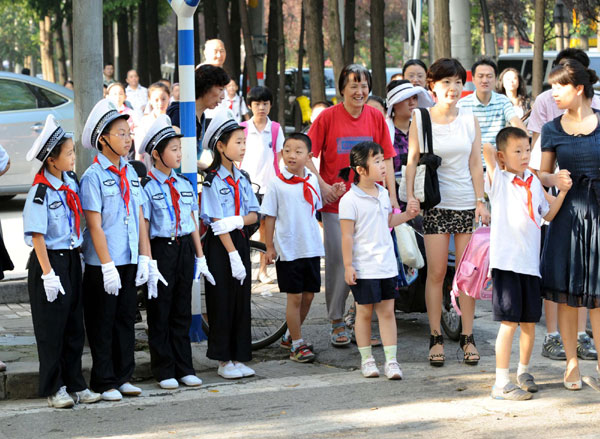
x=481, y=200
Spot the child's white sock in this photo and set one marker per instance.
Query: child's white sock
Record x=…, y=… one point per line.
x=390, y=352
x=501, y=378
x=297, y=343
x=523, y=368
x=287, y=334
x=365, y=353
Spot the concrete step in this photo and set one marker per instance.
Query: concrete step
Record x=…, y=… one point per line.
x=14, y=291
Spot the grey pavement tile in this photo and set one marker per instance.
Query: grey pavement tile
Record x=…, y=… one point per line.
x=24, y=313
x=4, y=308
x=10, y=316
x=15, y=306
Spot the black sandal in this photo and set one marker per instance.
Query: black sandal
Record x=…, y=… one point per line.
x=436, y=360
x=467, y=340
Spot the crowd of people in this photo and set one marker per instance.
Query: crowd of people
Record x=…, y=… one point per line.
x=331, y=192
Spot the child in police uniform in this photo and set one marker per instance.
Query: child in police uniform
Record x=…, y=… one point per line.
x=171, y=213
x=228, y=204
x=51, y=221
x=290, y=206
x=116, y=249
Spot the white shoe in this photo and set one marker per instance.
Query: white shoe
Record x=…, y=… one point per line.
x=246, y=371
x=112, y=395
x=392, y=370
x=191, y=381
x=61, y=399
x=369, y=368
x=169, y=384
x=87, y=397
x=229, y=371
x=129, y=389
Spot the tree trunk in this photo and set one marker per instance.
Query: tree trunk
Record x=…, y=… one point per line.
x=225, y=34
x=152, y=45
x=46, y=50
x=335, y=39
x=314, y=48
x=378, y=47
x=298, y=92
x=349, y=31
x=250, y=62
x=281, y=86
x=123, y=43
x=494, y=34
x=131, y=32
x=272, y=76
x=442, y=25
x=60, y=50
x=210, y=20
x=197, y=44
x=505, y=37
x=538, y=49
x=516, y=41
x=142, y=47
x=236, y=39
x=107, y=46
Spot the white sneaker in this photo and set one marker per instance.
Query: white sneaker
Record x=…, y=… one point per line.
x=191, y=381
x=392, y=370
x=61, y=399
x=87, y=397
x=129, y=389
x=246, y=371
x=112, y=395
x=169, y=384
x=229, y=371
x=369, y=368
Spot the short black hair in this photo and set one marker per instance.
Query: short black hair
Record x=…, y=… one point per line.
x=325, y=104
x=106, y=64
x=445, y=68
x=414, y=62
x=509, y=133
x=484, y=61
x=377, y=99
x=357, y=71
x=300, y=137
x=207, y=77
x=572, y=53
x=259, y=94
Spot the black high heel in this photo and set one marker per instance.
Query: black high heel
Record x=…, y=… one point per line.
x=436, y=360
x=464, y=341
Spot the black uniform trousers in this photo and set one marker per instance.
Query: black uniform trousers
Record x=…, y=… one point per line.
x=110, y=321
x=228, y=302
x=170, y=314
x=58, y=325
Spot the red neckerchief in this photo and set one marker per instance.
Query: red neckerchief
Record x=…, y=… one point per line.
x=527, y=185
x=124, y=182
x=174, y=198
x=236, y=194
x=72, y=198
x=306, y=188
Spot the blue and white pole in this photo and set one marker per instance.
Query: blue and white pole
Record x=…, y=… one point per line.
x=184, y=9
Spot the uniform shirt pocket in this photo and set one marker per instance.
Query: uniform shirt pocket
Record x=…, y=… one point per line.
x=111, y=195
x=56, y=210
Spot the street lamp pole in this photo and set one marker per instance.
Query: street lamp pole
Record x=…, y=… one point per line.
x=559, y=18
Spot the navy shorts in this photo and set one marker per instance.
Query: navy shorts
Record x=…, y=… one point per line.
x=369, y=291
x=516, y=297
x=299, y=276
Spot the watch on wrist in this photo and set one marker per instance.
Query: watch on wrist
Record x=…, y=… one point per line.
x=481, y=200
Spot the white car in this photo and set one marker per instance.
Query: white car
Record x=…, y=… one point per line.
x=25, y=102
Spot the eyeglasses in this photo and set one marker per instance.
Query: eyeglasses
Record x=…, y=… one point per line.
x=121, y=135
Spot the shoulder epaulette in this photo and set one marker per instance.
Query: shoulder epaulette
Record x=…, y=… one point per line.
x=40, y=194
x=73, y=176
x=145, y=181
x=208, y=179
x=245, y=174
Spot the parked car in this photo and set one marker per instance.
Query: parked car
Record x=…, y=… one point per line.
x=25, y=102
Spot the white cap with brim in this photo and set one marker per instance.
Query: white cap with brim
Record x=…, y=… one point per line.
x=404, y=91
x=160, y=130
x=222, y=123
x=103, y=113
x=51, y=135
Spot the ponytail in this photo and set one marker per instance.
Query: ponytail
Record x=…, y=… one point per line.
x=345, y=174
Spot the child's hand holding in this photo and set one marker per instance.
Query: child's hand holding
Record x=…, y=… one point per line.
x=350, y=275
x=339, y=188
x=563, y=180
x=271, y=255
x=413, y=208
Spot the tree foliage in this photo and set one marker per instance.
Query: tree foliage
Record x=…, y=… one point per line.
x=15, y=43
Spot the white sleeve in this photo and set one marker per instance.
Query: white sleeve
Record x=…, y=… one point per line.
x=280, y=139
x=347, y=210
x=269, y=202
x=492, y=188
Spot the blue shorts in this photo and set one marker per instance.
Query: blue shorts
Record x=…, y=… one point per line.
x=369, y=291
x=516, y=297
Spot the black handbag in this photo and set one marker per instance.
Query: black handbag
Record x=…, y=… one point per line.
x=431, y=162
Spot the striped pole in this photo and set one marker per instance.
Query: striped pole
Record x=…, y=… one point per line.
x=184, y=9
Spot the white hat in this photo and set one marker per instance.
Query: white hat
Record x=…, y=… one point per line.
x=404, y=91
x=160, y=130
x=51, y=135
x=222, y=123
x=103, y=113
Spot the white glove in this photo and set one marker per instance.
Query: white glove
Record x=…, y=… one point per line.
x=153, y=277
x=52, y=286
x=228, y=224
x=201, y=268
x=82, y=263
x=112, y=280
x=237, y=267
x=141, y=276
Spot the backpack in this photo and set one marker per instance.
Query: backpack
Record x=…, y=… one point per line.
x=274, y=133
x=472, y=275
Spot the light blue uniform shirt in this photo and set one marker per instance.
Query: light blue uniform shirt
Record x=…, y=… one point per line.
x=218, y=198
x=101, y=192
x=53, y=218
x=158, y=207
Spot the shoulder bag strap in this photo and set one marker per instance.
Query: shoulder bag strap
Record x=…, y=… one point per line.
x=427, y=132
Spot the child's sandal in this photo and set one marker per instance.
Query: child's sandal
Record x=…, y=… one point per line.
x=436, y=360
x=466, y=340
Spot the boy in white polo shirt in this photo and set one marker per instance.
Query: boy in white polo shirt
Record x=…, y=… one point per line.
x=290, y=205
x=519, y=202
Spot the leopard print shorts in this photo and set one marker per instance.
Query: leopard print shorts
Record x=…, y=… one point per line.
x=442, y=221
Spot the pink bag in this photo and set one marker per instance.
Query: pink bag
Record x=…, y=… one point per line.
x=472, y=275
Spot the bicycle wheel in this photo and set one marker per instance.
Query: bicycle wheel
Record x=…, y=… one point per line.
x=267, y=303
x=451, y=322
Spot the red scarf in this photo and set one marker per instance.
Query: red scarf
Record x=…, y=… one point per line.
x=236, y=194
x=124, y=182
x=174, y=199
x=72, y=198
x=306, y=188
x=527, y=185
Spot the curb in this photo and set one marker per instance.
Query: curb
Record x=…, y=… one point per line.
x=14, y=291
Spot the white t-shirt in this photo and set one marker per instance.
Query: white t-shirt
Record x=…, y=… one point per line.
x=373, y=254
x=258, y=160
x=236, y=105
x=297, y=231
x=514, y=237
x=138, y=97
x=453, y=142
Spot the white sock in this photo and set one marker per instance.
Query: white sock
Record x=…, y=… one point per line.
x=287, y=333
x=501, y=378
x=579, y=334
x=522, y=368
x=554, y=334
x=297, y=343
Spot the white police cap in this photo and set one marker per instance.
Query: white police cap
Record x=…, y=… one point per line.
x=103, y=113
x=51, y=135
x=160, y=130
x=404, y=91
x=222, y=123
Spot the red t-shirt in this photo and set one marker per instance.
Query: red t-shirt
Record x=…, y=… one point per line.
x=335, y=132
